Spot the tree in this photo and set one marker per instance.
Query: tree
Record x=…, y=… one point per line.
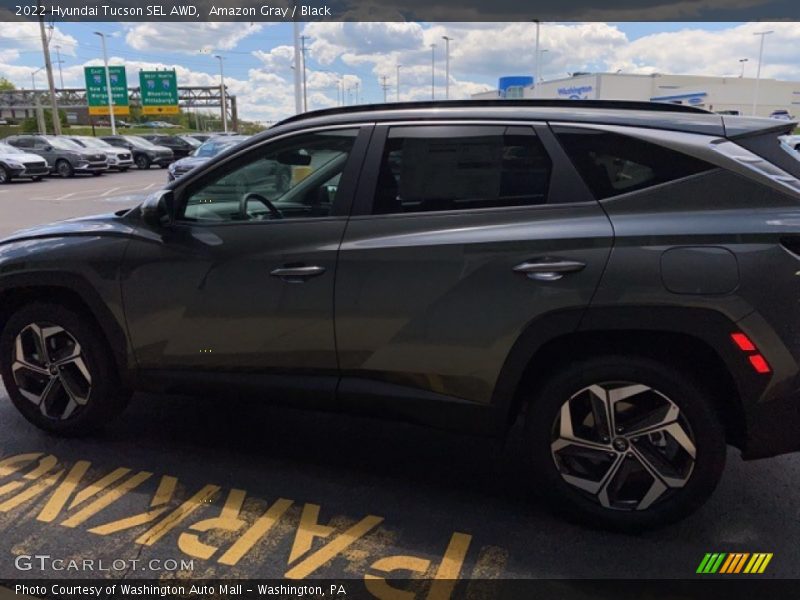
x=6, y=85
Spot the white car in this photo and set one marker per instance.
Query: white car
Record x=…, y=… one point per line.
x=18, y=164
x=793, y=141
x=120, y=159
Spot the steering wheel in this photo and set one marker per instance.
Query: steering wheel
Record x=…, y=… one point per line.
x=273, y=210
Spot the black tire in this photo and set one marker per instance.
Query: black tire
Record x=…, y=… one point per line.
x=4, y=176
x=142, y=162
x=674, y=503
x=37, y=178
x=123, y=169
x=97, y=173
x=64, y=169
x=105, y=398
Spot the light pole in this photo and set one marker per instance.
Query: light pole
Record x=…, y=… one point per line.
x=303, y=39
x=59, y=61
x=741, y=62
x=433, y=71
x=40, y=124
x=108, y=85
x=222, y=94
x=398, y=82
x=541, y=61
x=33, y=77
x=763, y=34
x=298, y=101
x=537, y=56
x=357, y=85
x=447, y=41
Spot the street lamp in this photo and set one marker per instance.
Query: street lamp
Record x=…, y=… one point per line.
x=447, y=41
x=108, y=85
x=33, y=77
x=433, y=68
x=398, y=82
x=60, y=72
x=741, y=62
x=763, y=34
x=537, y=56
x=541, y=61
x=222, y=94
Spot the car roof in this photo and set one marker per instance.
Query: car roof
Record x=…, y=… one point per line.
x=654, y=115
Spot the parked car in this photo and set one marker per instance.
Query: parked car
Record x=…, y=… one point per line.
x=118, y=159
x=202, y=155
x=781, y=114
x=18, y=164
x=144, y=153
x=64, y=157
x=107, y=123
x=158, y=125
x=201, y=137
x=620, y=275
x=793, y=141
x=178, y=145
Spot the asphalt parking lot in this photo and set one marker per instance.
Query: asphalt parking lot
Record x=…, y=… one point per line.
x=245, y=489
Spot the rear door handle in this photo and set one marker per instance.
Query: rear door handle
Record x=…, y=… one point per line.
x=297, y=274
x=548, y=269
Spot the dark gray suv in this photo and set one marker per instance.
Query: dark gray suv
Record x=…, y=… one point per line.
x=623, y=276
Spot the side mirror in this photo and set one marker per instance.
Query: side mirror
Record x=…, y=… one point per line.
x=48, y=148
x=156, y=210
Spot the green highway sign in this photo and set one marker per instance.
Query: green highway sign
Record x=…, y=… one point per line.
x=159, y=92
x=97, y=95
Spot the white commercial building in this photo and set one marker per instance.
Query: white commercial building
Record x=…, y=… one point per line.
x=718, y=94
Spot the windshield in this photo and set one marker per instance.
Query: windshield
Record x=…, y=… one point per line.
x=94, y=142
x=63, y=143
x=140, y=142
x=9, y=149
x=214, y=147
x=191, y=141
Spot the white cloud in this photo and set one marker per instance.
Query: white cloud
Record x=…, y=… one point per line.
x=188, y=38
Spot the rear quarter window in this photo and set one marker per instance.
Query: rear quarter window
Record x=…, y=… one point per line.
x=612, y=164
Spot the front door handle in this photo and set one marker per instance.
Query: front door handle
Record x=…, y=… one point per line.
x=297, y=274
x=548, y=269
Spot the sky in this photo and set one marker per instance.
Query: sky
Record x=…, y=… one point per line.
x=258, y=56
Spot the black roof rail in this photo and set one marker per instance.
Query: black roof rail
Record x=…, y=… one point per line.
x=499, y=103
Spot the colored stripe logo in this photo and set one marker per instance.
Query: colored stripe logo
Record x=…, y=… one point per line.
x=734, y=563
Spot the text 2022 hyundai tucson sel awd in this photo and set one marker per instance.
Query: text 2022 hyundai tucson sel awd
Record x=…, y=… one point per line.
x=623, y=275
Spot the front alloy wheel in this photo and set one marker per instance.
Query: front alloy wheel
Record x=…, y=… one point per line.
x=624, y=445
x=58, y=369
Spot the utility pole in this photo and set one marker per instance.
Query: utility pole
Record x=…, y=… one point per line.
x=222, y=94
x=59, y=61
x=40, y=125
x=398, y=82
x=298, y=100
x=50, y=83
x=303, y=39
x=741, y=62
x=385, y=87
x=108, y=86
x=763, y=34
x=537, y=57
x=433, y=71
x=447, y=41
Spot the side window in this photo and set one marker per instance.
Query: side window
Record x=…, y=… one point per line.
x=23, y=142
x=613, y=164
x=293, y=178
x=439, y=168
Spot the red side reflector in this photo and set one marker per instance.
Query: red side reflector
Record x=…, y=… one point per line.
x=759, y=363
x=744, y=343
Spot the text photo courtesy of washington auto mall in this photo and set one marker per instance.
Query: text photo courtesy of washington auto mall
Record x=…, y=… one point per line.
x=399, y=300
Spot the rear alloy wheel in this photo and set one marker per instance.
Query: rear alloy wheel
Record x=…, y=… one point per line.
x=4, y=178
x=57, y=369
x=626, y=442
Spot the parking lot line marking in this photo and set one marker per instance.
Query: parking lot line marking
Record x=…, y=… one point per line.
x=148, y=187
x=105, y=500
x=65, y=196
x=108, y=191
x=257, y=530
x=172, y=520
x=64, y=491
x=450, y=567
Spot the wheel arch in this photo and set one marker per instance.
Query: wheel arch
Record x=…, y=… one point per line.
x=695, y=340
x=73, y=292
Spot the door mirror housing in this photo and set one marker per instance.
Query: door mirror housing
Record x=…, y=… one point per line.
x=157, y=208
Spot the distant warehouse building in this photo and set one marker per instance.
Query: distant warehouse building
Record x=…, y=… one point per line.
x=719, y=94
